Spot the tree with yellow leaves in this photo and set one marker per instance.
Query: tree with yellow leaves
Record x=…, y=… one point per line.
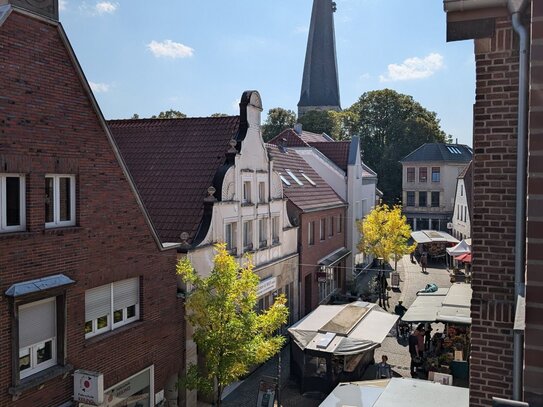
x=385, y=233
x=231, y=335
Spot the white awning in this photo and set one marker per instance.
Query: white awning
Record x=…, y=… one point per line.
x=357, y=394
x=424, y=308
x=432, y=236
x=343, y=329
x=461, y=248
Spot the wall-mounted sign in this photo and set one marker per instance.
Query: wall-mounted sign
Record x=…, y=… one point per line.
x=89, y=387
x=265, y=286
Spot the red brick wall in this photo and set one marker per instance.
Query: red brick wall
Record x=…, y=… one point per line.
x=493, y=221
x=47, y=125
x=533, y=352
x=310, y=255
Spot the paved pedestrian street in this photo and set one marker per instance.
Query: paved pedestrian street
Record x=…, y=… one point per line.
x=411, y=280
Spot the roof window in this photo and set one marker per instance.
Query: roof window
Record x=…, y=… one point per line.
x=285, y=181
x=308, y=179
x=294, y=177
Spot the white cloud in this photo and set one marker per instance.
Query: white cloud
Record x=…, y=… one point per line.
x=413, y=68
x=170, y=49
x=99, y=87
x=62, y=5
x=106, y=7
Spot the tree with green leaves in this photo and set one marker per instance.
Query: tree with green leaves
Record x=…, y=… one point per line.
x=390, y=126
x=230, y=334
x=319, y=121
x=278, y=120
x=170, y=114
x=385, y=233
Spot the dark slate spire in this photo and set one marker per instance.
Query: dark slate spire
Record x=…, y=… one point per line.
x=44, y=8
x=320, y=88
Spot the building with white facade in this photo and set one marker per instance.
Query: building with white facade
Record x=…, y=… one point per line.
x=461, y=221
x=429, y=183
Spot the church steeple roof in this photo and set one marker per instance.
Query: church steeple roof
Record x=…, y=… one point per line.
x=320, y=87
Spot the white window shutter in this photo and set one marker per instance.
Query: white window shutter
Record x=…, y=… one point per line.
x=97, y=302
x=126, y=293
x=37, y=322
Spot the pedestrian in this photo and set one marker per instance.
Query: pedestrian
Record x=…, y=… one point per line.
x=412, y=256
x=384, y=370
x=420, y=339
x=414, y=352
x=427, y=335
x=400, y=311
x=424, y=262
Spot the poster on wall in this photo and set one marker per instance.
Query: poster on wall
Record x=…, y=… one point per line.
x=266, y=393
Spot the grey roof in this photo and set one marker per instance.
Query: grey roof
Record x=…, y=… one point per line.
x=440, y=152
x=320, y=85
x=37, y=285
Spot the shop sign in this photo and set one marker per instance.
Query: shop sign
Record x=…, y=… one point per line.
x=265, y=286
x=89, y=387
x=321, y=276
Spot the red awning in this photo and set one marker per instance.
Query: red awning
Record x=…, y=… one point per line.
x=466, y=258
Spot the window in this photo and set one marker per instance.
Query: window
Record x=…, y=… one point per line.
x=262, y=232
x=248, y=235
x=423, y=174
x=59, y=200
x=461, y=190
x=411, y=174
x=294, y=177
x=261, y=192
x=458, y=212
x=435, y=199
x=410, y=198
x=357, y=210
x=311, y=232
x=275, y=229
x=246, y=192
x=436, y=176
x=340, y=223
x=111, y=306
x=37, y=336
x=12, y=202
x=423, y=199
x=330, y=226
x=285, y=181
x=230, y=237
x=323, y=229
x=308, y=179
x=465, y=213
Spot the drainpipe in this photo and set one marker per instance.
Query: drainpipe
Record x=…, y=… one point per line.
x=516, y=8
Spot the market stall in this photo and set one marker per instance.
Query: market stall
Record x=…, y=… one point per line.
x=336, y=343
x=460, y=253
x=433, y=242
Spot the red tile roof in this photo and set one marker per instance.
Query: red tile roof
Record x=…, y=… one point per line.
x=337, y=151
x=172, y=163
x=306, y=197
x=310, y=137
x=292, y=139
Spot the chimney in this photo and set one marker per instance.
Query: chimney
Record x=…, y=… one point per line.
x=298, y=128
x=43, y=8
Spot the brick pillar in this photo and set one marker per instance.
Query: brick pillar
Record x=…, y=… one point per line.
x=533, y=341
x=493, y=222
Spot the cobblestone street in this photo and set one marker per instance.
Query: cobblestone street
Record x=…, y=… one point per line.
x=411, y=280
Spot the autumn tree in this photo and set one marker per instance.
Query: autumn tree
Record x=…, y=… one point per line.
x=278, y=120
x=385, y=233
x=230, y=334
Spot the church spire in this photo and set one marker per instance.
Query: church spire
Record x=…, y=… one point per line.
x=320, y=87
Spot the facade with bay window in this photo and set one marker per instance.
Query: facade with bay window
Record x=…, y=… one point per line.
x=79, y=261
x=429, y=184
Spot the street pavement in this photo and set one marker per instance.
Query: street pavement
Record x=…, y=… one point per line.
x=412, y=280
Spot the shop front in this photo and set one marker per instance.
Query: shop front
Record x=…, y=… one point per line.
x=135, y=391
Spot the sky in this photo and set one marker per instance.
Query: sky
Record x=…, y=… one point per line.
x=199, y=56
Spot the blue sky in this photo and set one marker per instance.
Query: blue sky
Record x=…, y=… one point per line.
x=199, y=56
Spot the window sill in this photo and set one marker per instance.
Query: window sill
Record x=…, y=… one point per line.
x=101, y=337
x=15, y=234
x=61, y=230
x=36, y=380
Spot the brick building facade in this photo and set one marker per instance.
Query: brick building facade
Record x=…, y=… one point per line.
x=70, y=218
x=495, y=189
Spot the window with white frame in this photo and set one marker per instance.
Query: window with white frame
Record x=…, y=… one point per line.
x=262, y=192
x=246, y=192
x=230, y=237
x=37, y=336
x=59, y=200
x=12, y=202
x=248, y=235
x=111, y=306
x=275, y=229
x=262, y=232
x=311, y=233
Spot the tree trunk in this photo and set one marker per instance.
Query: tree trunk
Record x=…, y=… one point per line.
x=219, y=395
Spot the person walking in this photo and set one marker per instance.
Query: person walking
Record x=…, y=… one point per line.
x=416, y=355
x=384, y=370
x=424, y=262
x=399, y=310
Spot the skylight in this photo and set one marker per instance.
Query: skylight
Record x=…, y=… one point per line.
x=294, y=177
x=308, y=179
x=285, y=181
x=453, y=150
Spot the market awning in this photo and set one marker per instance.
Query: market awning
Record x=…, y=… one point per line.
x=461, y=248
x=457, y=305
x=334, y=257
x=425, y=307
x=343, y=329
x=433, y=236
x=466, y=258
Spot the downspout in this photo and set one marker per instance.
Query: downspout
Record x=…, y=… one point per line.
x=516, y=8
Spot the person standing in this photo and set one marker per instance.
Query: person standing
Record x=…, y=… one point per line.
x=384, y=370
x=424, y=261
x=414, y=352
x=400, y=311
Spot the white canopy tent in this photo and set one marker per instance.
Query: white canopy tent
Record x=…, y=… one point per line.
x=461, y=248
x=396, y=392
x=433, y=236
x=346, y=329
